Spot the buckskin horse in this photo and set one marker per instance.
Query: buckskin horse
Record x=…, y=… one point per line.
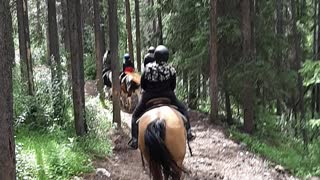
x=162, y=142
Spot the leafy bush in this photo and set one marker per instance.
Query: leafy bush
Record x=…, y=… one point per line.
x=89, y=67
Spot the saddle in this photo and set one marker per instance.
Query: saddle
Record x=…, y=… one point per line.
x=163, y=101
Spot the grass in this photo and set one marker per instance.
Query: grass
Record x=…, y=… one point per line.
x=58, y=154
x=288, y=153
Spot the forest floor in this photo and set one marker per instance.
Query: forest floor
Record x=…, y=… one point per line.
x=215, y=156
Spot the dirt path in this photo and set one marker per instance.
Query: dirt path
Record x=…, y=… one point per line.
x=215, y=157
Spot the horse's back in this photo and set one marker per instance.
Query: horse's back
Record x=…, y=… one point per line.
x=136, y=77
x=175, y=138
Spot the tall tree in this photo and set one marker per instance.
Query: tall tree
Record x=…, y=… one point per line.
x=138, y=36
x=160, y=22
x=99, y=46
x=24, y=45
x=129, y=30
x=76, y=47
x=39, y=28
x=66, y=39
x=213, y=62
x=7, y=144
x=317, y=88
x=114, y=45
x=297, y=56
x=247, y=50
x=55, y=64
x=279, y=34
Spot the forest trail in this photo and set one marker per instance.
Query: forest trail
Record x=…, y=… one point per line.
x=215, y=157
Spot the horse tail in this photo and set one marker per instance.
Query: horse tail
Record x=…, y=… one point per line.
x=160, y=157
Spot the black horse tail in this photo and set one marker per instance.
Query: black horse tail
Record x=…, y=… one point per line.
x=160, y=157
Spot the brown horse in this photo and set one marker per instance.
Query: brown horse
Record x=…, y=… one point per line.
x=162, y=142
x=130, y=91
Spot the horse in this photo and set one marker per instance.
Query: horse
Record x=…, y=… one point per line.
x=129, y=89
x=162, y=142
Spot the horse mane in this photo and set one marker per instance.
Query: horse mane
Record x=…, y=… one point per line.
x=160, y=157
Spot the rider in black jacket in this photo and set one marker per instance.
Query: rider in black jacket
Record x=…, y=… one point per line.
x=157, y=80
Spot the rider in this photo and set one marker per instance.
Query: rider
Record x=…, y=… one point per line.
x=127, y=65
x=157, y=80
x=107, y=69
x=149, y=57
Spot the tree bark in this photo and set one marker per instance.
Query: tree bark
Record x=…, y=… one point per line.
x=76, y=47
x=247, y=50
x=138, y=34
x=279, y=34
x=24, y=45
x=129, y=30
x=317, y=88
x=55, y=63
x=7, y=144
x=297, y=66
x=228, y=108
x=39, y=28
x=114, y=45
x=66, y=40
x=213, y=62
x=160, y=22
x=99, y=46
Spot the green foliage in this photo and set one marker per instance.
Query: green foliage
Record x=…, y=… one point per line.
x=59, y=154
x=285, y=151
x=49, y=156
x=310, y=71
x=89, y=67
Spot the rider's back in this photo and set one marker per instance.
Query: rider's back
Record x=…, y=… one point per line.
x=158, y=77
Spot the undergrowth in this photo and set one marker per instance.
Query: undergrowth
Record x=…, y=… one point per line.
x=288, y=153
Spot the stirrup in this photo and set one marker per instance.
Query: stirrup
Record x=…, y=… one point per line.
x=133, y=143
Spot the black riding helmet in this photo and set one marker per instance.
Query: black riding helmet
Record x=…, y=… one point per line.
x=161, y=54
x=151, y=49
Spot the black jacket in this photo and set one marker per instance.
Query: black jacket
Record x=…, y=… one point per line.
x=158, y=78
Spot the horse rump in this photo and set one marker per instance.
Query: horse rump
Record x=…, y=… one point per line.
x=159, y=156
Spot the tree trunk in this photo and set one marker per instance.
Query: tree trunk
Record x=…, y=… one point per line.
x=129, y=30
x=160, y=22
x=55, y=63
x=114, y=45
x=317, y=94
x=7, y=144
x=228, y=108
x=154, y=26
x=138, y=36
x=66, y=40
x=248, y=90
x=24, y=45
x=279, y=34
x=38, y=16
x=76, y=47
x=213, y=62
x=99, y=46
x=315, y=52
x=204, y=87
x=297, y=66
x=193, y=101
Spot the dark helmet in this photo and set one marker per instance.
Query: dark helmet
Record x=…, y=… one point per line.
x=151, y=49
x=161, y=54
x=126, y=56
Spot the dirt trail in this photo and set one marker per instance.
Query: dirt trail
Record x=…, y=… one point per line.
x=215, y=157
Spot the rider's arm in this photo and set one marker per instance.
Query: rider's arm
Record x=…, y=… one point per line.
x=143, y=82
x=173, y=81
